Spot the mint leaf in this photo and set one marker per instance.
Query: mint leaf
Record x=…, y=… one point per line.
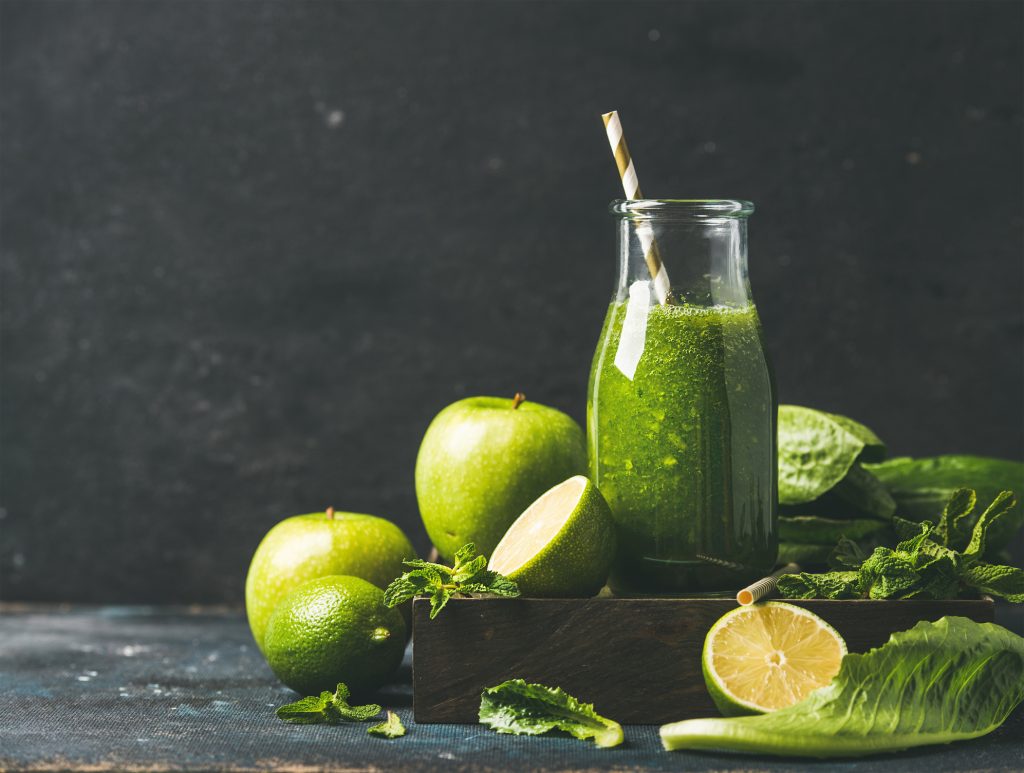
x=438, y=600
x=465, y=554
x=887, y=574
x=1000, y=506
x=469, y=574
x=938, y=682
x=313, y=710
x=339, y=704
x=829, y=585
x=327, y=709
x=1004, y=581
x=391, y=727
x=465, y=572
x=410, y=585
x=954, y=515
x=522, y=708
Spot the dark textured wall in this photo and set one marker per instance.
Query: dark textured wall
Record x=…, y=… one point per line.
x=249, y=249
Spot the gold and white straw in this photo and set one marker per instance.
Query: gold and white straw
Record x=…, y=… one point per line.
x=764, y=588
x=631, y=187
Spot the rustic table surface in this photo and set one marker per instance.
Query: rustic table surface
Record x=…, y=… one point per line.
x=133, y=688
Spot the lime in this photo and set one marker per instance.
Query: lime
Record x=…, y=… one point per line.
x=334, y=629
x=768, y=656
x=305, y=547
x=563, y=545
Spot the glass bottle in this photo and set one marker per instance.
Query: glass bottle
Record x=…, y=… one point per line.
x=681, y=406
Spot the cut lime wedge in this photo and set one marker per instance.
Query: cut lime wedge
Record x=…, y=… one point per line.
x=769, y=656
x=562, y=545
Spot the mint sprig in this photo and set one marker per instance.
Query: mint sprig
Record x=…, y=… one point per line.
x=941, y=561
x=327, y=708
x=469, y=574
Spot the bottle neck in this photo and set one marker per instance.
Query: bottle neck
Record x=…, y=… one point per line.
x=702, y=260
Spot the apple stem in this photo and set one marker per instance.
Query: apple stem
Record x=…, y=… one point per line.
x=330, y=513
x=518, y=400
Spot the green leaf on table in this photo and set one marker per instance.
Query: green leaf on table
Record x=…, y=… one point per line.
x=327, y=708
x=352, y=713
x=439, y=583
x=938, y=682
x=391, y=727
x=308, y=711
x=522, y=708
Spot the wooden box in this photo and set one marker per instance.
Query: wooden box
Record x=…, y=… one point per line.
x=636, y=660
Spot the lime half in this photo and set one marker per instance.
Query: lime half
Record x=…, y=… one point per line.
x=768, y=656
x=562, y=545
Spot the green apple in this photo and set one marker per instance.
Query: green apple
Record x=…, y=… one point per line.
x=307, y=547
x=484, y=460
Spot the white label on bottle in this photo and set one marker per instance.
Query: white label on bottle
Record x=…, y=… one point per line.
x=634, y=329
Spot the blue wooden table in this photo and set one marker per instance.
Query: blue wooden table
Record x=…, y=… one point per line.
x=143, y=688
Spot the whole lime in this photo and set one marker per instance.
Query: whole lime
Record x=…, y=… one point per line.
x=334, y=629
x=305, y=547
x=482, y=462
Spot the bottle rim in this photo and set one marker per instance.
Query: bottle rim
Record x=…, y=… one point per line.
x=682, y=209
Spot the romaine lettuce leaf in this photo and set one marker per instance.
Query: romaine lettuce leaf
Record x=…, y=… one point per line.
x=938, y=682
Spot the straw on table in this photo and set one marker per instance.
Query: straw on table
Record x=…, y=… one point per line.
x=631, y=187
x=765, y=587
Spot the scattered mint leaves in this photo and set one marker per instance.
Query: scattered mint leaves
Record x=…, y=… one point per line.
x=521, y=708
x=931, y=562
x=391, y=727
x=469, y=574
x=327, y=708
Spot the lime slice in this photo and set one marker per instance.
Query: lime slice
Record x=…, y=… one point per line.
x=562, y=545
x=769, y=656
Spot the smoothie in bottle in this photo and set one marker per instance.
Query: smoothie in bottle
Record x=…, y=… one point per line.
x=681, y=406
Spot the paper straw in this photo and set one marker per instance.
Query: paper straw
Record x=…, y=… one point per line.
x=631, y=187
x=764, y=588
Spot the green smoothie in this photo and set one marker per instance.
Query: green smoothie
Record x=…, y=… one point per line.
x=684, y=452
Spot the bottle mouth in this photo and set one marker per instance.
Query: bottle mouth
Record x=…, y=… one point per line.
x=682, y=209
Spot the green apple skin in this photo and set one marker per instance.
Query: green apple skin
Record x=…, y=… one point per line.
x=483, y=462
x=307, y=547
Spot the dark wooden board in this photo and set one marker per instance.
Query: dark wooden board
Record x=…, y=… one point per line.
x=637, y=660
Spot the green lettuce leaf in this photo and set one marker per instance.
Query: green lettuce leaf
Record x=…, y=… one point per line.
x=522, y=708
x=817, y=451
x=938, y=682
x=814, y=530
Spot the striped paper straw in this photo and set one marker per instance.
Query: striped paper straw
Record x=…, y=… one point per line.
x=631, y=187
x=763, y=588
